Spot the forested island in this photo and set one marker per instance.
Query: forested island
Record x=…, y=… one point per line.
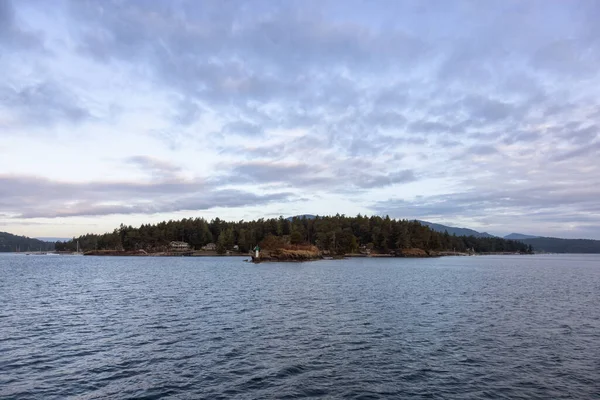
x=14, y=243
x=330, y=235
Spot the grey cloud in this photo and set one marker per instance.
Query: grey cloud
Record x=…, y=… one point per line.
x=507, y=205
x=371, y=181
x=394, y=97
x=487, y=109
x=430, y=127
x=197, y=50
x=43, y=103
x=271, y=151
x=376, y=145
x=564, y=46
x=187, y=113
x=156, y=167
x=521, y=137
x=482, y=150
x=365, y=147
x=386, y=119
x=293, y=56
x=269, y=172
x=221, y=198
x=581, y=150
x=567, y=57
x=585, y=135
x=455, y=76
x=448, y=143
x=231, y=198
x=351, y=173
x=20, y=195
x=12, y=35
x=242, y=128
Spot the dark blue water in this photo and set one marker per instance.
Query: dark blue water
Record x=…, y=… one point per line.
x=448, y=328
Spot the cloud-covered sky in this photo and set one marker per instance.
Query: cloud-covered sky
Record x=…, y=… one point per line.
x=469, y=113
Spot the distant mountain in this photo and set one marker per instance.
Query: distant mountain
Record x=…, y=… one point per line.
x=307, y=216
x=11, y=243
x=542, y=244
x=53, y=239
x=556, y=245
x=454, y=230
x=519, y=236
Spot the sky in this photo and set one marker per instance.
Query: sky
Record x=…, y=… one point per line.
x=483, y=114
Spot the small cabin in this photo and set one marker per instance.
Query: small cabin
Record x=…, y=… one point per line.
x=210, y=247
x=179, y=246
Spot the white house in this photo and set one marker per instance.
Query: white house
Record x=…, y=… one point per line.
x=178, y=246
x=210, y=247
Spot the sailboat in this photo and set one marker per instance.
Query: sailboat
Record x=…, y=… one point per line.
x=78, y=252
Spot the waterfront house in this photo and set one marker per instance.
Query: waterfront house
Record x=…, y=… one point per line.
x=179, y=246
x=210, y=247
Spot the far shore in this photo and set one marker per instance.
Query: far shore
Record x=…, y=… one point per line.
x=271, y=257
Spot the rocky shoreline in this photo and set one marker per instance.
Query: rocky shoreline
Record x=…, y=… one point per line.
x=143, y=253
x=286, y=255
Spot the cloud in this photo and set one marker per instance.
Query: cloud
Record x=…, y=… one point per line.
x=155, y=167
x=565, y=56
x=429, y=127
x=577, y=152
x=372, y=181
x=509, y=206
x=12, y=35
x=20, y=196
x=336, y=99
x=487, y=109
x=482, y=150
x=242, y=128
x=348, y=174
x=385, y=119
x=43, y=104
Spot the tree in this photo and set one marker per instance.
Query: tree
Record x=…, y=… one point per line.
x=296, y=237
x=337, y=233
x=346, y=242
x=225, y=241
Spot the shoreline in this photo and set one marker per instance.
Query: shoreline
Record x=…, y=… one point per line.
x=289, y=255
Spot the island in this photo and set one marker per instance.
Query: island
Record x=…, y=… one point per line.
x=301, y=238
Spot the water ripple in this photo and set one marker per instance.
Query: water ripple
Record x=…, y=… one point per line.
x=217, y=328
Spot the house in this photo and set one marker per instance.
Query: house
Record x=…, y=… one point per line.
x=210, y=247
x=179, y=246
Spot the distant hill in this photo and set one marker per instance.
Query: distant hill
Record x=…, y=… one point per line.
x=11, y=243
x=556, y=245
x=543, y=244
x=307, y=216
x=519, y=236
x=454, y=230
x=53, y=239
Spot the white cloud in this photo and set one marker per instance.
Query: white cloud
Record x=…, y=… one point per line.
x=437, y=112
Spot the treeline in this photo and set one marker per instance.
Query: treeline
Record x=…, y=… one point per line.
x=556, y=245
x=338, y=234
x=13, y=243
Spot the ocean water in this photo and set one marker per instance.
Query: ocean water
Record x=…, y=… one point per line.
x=514, y=327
